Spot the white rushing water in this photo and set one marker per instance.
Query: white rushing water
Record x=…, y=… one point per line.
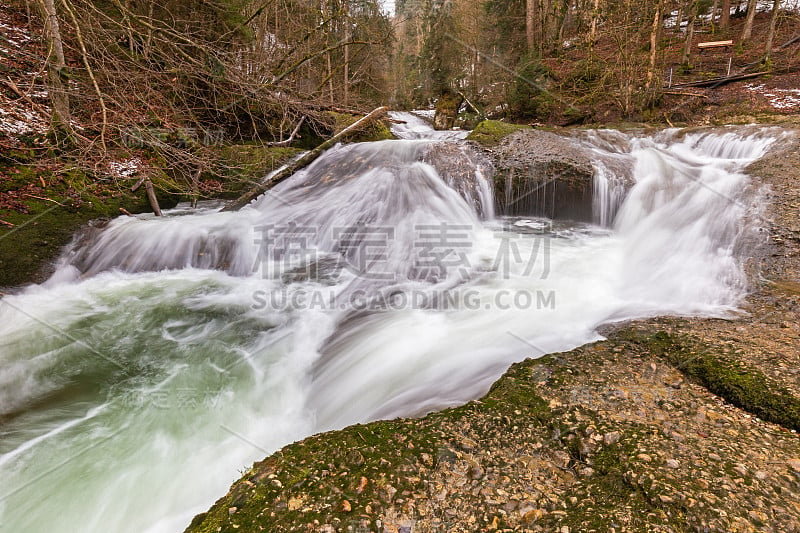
x=166, y=355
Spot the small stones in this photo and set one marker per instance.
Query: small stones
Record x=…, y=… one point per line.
x=611, y=438
x=532, y=516
x=295, y=503
x=232, y=510
x=475, y=471
x=644, y=457
x=672, y=463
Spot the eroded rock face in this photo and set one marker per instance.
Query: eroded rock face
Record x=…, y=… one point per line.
x=543, y=174
x=458, y=165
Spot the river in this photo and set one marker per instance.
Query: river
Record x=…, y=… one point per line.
x=165, y=355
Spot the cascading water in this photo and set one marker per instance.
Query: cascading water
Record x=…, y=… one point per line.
x=167, y=354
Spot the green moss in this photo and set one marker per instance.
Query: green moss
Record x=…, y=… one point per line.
x=377, y=131
x=491, y=132
x=743, y=386
x=367, y=465
x=244, y=165
x=38, y=235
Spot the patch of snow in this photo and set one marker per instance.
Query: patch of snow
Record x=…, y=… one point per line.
x=781, y=99
x=126, y=168
x=17, y=119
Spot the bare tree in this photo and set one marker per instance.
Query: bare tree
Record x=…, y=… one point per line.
x=747, y=32
x=773, y=22
x=593, y=27
x=687, y=46
x=654, y=33
x=60, y=116
x=533, y=30
x=725, y=15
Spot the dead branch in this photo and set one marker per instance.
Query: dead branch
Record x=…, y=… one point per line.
x=45, y=199
x=291, y=138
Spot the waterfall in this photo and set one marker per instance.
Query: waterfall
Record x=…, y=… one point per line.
x=167, y=354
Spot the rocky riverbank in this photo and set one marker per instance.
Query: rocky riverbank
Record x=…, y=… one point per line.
x=669, y=425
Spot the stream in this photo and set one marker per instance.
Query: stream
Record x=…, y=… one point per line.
x=166, y=355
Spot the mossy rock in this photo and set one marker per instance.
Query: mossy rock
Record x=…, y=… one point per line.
x=244, y=165
x=377, y=131
x=492, y=132
x=29, y=249
x=740, y=384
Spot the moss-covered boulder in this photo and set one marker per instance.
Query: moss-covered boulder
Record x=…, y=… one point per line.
x=490, y=133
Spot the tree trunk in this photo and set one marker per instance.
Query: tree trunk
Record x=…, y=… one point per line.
x=530, y=23
x=747, y=32
x=725, y=16
x=593, y=28
x=687, y=46
x=56, y=73
x=346, y=59
x=654, y=32
x=773, y=21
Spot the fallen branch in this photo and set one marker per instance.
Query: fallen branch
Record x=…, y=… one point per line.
x=716, y=82
x=9, y=224
x=43, y=198
x=13, y=86
x=125, y=212
x=138, y=184
x=678, y=93
x=304, y=161
x=478, y=111
x=790, y=42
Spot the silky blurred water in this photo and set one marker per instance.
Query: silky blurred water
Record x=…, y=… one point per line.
x=166, y=355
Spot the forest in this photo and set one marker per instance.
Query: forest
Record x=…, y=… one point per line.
x=167, y=83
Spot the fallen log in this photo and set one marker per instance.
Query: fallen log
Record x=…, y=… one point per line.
x=716, y=82
x=790, y=42
x=302, y=162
